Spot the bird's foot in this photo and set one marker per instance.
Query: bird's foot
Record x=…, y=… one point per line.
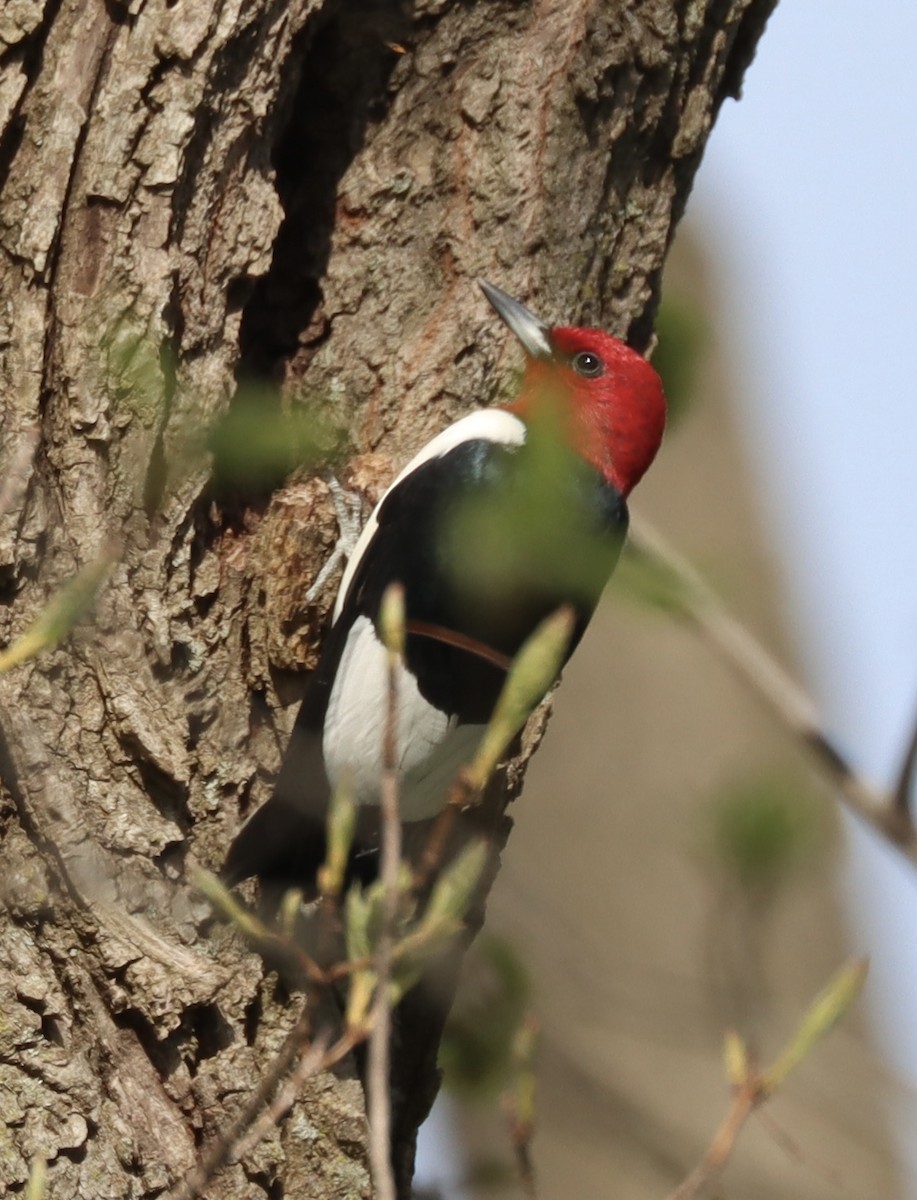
x=348, y=508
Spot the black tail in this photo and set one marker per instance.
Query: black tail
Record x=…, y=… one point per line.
x=281, y=843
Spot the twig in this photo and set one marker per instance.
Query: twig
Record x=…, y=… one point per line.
x=38, y=1178
x=264, y=941
x=377, y=1080
x=519, y=1103
x=530, y=676
x=259, y=1118
x=68, y=605
x=752, y=1086
x=745, y=1099
x=461, y=795
x=313, y=1059
x=786, y=699
x=831, y=1174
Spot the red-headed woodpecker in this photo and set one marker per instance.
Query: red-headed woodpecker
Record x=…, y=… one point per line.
x=486, y=540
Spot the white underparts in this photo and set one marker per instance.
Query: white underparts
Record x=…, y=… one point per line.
x=430, y=746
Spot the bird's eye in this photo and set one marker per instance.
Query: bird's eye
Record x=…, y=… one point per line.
x=588, y=364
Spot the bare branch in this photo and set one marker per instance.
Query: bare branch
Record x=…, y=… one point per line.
x=744, y=1102
x=519, y=1103
x=313, y=1059
x=752, y=1086
x=696, y=602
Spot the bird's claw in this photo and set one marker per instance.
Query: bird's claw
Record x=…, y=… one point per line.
x=348, y=508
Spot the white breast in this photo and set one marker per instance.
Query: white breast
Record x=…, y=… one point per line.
x=431, y=747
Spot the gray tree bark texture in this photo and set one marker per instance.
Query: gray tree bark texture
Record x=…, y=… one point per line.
x=299, y=189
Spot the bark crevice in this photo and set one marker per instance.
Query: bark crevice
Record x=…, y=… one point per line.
x=348, y=55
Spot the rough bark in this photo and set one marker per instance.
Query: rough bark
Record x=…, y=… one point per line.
x=303, y=189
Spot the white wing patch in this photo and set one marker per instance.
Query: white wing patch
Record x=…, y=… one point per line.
x=489, y=424
x=431, y=747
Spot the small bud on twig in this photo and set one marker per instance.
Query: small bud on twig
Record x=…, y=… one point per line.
x=61, y=613
x=341, y=823
x=392, y=620
x=531, y=675
x=826, y=1010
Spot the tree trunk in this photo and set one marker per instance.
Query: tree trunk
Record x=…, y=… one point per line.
x=302, y=190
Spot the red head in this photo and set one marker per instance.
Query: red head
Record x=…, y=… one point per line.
x=615, y=398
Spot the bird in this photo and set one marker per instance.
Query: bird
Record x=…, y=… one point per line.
x=508, y=513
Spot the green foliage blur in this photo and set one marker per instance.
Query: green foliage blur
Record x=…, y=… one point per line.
x=650, y=582
x=264, y=438
x=534, y=527
x=763, y=828
x=264, y=435
x=683, y=341
x=476, y=1055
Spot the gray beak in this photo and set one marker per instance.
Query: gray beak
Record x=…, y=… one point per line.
x=532, y=333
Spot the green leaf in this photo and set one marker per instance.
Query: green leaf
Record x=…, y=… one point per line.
x=356, y=921
x=532, y=523
x=340, y=826
x=476, y=1054
x=762, y=827
x=533, y=671
x=61, y=613
x=262, y=439
x=647, y=580
x=359, y=999
x=683, y=337
x=443, y=917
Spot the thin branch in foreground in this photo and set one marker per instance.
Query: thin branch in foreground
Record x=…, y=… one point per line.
x=377, y=1079
x=380, y=967
x=312, y=1060
x=38, y=1178
x=745, y=1100
x=234, y=1146
x=63, y=610
x=679, y=588
x=519, y=1103
x=752, y=1087
x=832, y=1175
x=263, y=941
